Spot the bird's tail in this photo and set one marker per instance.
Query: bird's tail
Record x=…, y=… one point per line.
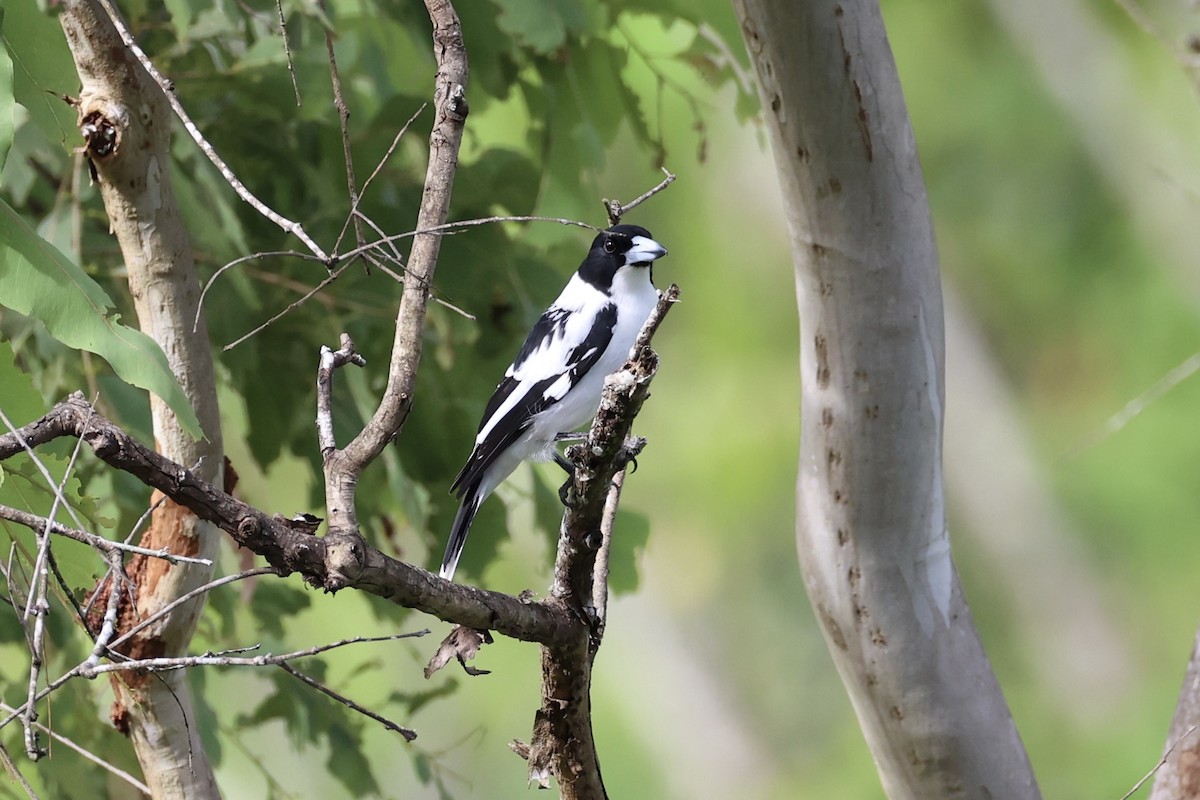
x=458, y=532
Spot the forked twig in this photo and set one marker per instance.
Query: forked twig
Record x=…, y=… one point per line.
x=616, y=209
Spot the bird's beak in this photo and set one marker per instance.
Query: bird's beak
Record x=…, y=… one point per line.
x=644, y=251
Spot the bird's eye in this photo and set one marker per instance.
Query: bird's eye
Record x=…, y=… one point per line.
x=610, y=246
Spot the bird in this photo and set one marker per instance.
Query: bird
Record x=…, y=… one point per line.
x=554, y=384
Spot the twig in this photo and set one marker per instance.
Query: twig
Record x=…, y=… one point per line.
x=242, y=260
x=144, y=518
x=330, y=361
x=168, y=90
x=287, y=52
x=1137, y=405
x=199, y=590
x=346, y=258
x=166, y=664
x=184, y=662
x=600, y=572
x=339, y=102
x=1161, y=762
x=447, y=228
x=330, y=278
x=89, y=755
x=388, y=153
x=106, y=546
x=39, y=607
x=37, y=462
x=11, y=768
x=116, y=577
x=615, y=209
x=408, y=733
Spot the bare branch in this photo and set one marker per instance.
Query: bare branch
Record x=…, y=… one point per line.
x=408, y=733
x=330, y=278
x=242, y=260
x=331, y=360
x=343, y=467
x=11, y=768
x=105, y=546
x=167, y=664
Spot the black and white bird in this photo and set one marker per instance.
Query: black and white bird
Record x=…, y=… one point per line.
x=554, y=384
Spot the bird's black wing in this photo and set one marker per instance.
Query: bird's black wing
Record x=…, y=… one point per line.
x=535, y=382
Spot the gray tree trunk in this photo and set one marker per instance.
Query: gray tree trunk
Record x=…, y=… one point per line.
x=871, y=526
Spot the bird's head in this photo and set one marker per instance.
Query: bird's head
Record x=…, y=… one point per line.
x=619, y=247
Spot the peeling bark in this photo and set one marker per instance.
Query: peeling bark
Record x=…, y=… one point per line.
x=871, y=528
x=126, y=123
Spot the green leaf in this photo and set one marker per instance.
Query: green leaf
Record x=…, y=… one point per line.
x=37, y=280
x=7, y=121
x=43, y=70
x=23, y=486
x=629, y=539
x=21, y=402
x=542, y=25
x=347, y=762
x=274, y=602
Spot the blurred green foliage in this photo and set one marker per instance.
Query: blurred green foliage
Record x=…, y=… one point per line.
x=713, y=681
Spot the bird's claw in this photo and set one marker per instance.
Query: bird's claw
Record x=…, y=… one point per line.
x=566, y=493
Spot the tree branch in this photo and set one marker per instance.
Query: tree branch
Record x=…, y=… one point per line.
x=562, y=735
x=330, y=562
x=450, y=116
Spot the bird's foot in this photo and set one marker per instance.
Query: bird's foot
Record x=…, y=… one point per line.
x=630, y=450
x=566, y=493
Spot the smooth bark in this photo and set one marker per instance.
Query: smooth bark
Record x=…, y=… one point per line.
x=871, y=527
